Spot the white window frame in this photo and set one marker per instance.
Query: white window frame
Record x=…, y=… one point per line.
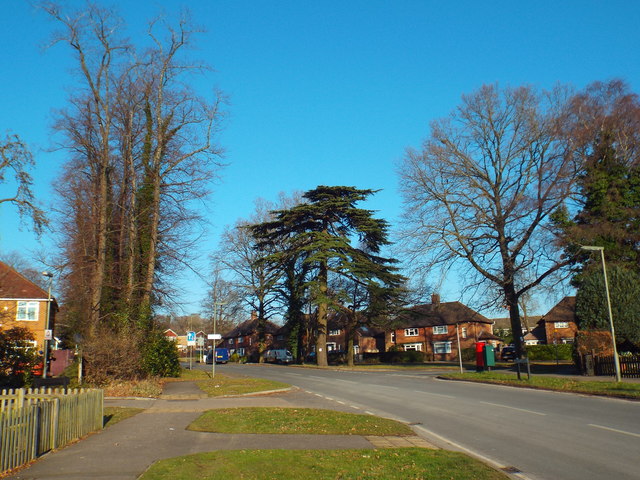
x=438, y=346
x=241, y=352
x=561, y=324
x=463, y=334
x=240, y=340
x=411, y=332
x=230, y=341
x=24, y=307
x=412, y=347
x=440, y=330
x=334, y=333
x=332, y=346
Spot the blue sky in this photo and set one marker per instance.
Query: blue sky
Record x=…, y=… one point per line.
x=323, y=92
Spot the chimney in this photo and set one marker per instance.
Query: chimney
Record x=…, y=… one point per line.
x=435, y=298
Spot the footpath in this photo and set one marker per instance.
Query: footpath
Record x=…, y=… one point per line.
x=125, y=450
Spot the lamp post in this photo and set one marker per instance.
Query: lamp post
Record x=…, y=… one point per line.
x=213, y=347
x=49, y=275
x=616, y=359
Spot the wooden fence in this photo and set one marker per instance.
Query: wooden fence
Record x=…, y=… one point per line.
x=35, y=421
x=629, y=366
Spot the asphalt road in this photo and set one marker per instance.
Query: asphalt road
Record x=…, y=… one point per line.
x=543, y=435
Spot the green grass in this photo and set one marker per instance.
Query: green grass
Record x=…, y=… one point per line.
x=295, y=421
x=113, y=415
x=613, y=389
x=388, y=464
x=223, y=385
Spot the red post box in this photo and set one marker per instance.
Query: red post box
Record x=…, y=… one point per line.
x=480, y=356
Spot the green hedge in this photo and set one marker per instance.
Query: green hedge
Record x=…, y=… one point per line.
x=563, y=351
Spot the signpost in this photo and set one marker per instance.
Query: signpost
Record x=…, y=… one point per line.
x=191, y=341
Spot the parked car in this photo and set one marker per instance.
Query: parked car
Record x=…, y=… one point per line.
x=278, y=356
x=222, y=356
x=508, y=353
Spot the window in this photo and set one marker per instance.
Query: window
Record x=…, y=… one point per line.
x=440, y=330
x=393, y=337
x=230, y=341
x=241, y=352
x=441, y=347
x=416, y=347
x=279, y=337
x=332, y=346
x=561, y=324
x=568, y=340
x=410, y=332
x=27, y=311
x=240, y=340
x=464, y=332
x=334, y=332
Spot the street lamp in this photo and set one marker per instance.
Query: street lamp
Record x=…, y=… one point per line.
x=49, y=275
x=213, y=347
x=616, y=359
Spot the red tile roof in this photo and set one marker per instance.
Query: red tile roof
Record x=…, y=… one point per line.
x=14, y=285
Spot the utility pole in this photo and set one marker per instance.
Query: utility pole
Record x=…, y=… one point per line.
x=49, y=275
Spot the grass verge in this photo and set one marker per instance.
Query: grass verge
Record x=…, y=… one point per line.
x=295, y=421
x=388, y=464
x=113, y=415
x=611, y=389
x=223, y=385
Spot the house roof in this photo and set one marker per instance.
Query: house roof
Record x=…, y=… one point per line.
x=251, y=326
x=442, y=313
x=14, y=285
x=563, y=311
x=505, y=322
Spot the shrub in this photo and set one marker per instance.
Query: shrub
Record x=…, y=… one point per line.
x=110, y=355
x=160, y=356
x=550, y=352
x=16, y=359
x=400, y=356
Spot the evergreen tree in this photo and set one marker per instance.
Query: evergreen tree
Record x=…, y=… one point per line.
x=320, y=232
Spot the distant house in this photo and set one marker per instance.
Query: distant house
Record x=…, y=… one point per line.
x=171, y=335
x=24, y=304
x=243, y=339
x=366, y=339
x=436, y=327
x=559, y=324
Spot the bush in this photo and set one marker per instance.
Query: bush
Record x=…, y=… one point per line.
x=160, y=356
x=110, y=355
x=550, y=352
x=16, y=359
x=399, y=356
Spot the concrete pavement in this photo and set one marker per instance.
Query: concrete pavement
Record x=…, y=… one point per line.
x=125, y=450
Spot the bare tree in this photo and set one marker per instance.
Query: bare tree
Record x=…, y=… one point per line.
x=16, y=161
x=481, y=190
x=141, y=157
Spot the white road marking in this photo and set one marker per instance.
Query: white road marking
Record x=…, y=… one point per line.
x=515, y=408
x=614, y=430
x=434, y=394
x=369, y=413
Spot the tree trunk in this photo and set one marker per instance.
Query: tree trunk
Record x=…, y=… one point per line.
x=321, y=339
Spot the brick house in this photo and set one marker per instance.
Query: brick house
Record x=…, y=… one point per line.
x=243, y=339
x=24, y=304
x=366, y=339
x=435, y=328
x=559, y=324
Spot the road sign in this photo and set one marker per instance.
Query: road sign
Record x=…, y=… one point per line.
x=191, y=339
x=48, y=334
x=214, y=336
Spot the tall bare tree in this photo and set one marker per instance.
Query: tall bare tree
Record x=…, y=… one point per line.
x=141, y=156
x=16, y=161
x=481, y=190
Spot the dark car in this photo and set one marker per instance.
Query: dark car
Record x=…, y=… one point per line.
x=508, y=354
